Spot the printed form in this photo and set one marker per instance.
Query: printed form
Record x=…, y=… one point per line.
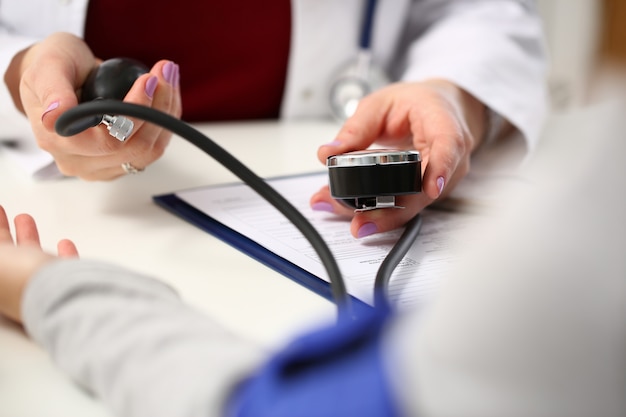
x=413, y=282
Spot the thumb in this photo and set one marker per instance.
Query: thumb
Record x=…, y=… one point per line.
x=54, y=71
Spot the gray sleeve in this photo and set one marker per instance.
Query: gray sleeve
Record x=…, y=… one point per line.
x=130, y=340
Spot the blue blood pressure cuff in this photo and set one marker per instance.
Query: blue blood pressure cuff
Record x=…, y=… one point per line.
x=336, y=371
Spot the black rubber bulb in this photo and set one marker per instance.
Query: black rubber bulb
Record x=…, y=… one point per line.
x=112, y=79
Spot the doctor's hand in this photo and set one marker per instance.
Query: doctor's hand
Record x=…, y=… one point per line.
x=44, y=81
x=19, y=261
x=440, y=120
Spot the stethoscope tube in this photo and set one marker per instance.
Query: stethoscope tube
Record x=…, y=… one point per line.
x=367, y=26
x=361, y=76
x=66, y=126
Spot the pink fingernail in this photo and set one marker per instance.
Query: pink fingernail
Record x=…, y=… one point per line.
x=440, y=183
x=169, y=70
x=333, y=143
x=367, y=229
x=177, y=76
x=322, y=206
x=151, y=86
x=52, y=106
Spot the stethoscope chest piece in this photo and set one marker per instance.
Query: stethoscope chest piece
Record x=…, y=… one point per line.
x=353, y=83
x=361, y=76
x=371, y=179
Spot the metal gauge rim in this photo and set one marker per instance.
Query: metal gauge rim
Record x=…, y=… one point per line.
x=373, y=157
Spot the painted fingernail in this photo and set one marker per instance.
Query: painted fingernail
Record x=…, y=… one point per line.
x=440, y=183
x=52, y=106
x=151, y=86
x=177, y=76
x=333, y=143
x=169, y=70
x=322, y=206
x=367, y=229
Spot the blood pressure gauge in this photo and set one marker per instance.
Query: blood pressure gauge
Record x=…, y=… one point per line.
x=371, y=179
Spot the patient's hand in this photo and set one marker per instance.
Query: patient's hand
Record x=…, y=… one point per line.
x=20, y=260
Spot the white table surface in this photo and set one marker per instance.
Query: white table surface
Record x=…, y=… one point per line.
x=117, y=221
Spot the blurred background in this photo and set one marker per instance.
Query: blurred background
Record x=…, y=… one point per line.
x=587, y=45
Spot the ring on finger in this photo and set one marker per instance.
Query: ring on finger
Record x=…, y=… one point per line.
x=130, y=169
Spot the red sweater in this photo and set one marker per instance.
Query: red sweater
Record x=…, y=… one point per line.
x=232, y=54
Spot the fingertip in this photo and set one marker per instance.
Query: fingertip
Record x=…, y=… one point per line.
x=322, y=201
x=54, y=109
x=143, y=89
x=26, y=229
x=67, y=249
x=367, y=223
x=54, y=106
x=176, y=79
x=23, y=219
x=366, y=229
x=433, y=184
x=322, y=206
x=51, y=107
x=436, y=188
x=5, y=233
x=151, y=85
x=431, y=192
x=167, y=70
x=332, y=145
x=328, y=149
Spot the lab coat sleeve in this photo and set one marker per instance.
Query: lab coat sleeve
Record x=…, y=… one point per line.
x=24, y=23
x=492, y=49
x=21, y=25
x=16, y=134
x=132, y=342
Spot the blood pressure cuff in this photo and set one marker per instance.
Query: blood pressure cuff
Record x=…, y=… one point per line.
x=336, y=371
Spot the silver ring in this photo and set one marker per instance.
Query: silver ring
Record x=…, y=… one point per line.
x=130, y=169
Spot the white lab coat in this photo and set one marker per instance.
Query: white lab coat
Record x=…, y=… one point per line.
x=492, y=48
